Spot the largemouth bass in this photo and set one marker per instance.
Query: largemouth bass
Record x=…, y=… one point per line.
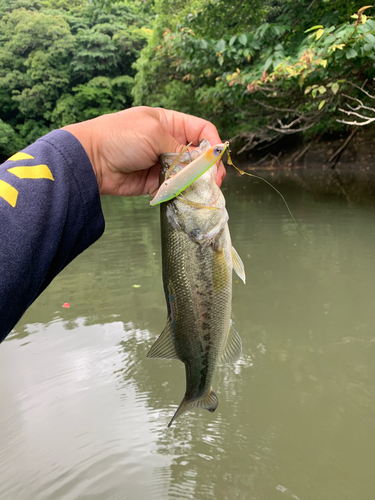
x=197, y=258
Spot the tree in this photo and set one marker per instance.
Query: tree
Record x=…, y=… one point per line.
x=286, y=72
x=62, y=62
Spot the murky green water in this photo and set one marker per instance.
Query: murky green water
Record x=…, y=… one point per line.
x=83, y=413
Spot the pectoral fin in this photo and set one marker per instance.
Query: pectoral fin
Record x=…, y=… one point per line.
x=232, y=349
x=164, y=346
x=238, y=266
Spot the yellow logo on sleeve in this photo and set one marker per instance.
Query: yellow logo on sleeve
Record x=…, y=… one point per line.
x=36, y=172
x=8, y=192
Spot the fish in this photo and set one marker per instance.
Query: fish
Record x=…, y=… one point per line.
x=197, y=263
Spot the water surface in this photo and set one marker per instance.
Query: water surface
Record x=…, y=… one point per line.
x=83, y=412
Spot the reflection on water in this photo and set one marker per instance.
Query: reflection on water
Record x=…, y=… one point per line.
x=83, y=413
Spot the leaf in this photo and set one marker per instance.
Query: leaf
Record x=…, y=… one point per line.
x=370, y=38
x=291, y=70
x=364, y=8
x=232, y=40
x=329, y=39
x=321, y=104
x=220, y=46
x=335, y=87
x=339, y=46
x=351, y=54
x=307, y=89
x=368, y=47
x=322, y=89
x=268, y=63
x=318, y=26
x=318, y=34
x=203, y=44
x=242, y=39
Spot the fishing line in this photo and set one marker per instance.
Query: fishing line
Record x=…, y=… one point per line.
x=241, y=172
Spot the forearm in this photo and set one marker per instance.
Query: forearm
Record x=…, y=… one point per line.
x=50, y=212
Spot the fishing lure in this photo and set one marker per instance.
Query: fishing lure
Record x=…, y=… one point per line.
x=175, y=184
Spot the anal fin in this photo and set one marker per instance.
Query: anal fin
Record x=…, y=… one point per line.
x=164, y=346
x=233, y=347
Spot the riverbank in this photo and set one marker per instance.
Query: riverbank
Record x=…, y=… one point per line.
x=351, y=151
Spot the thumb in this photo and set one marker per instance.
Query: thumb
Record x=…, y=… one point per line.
x=166, y=143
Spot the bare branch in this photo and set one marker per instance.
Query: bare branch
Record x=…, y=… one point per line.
x=362, y=89
x=370, y=120
x=360, y=107
x=357, y=110
x=341, y=148
x=284, y=127
x=293, y=131
x=285, y=110
x=354, y=113
x=299, y=155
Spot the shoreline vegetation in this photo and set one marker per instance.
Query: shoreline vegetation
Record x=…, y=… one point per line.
x=353, y=151
x=290, y=83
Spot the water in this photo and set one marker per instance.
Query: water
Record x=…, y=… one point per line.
x=83, y=413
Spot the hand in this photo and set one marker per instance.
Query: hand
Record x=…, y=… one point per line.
x=124, y=147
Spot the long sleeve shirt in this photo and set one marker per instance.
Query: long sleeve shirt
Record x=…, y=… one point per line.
x=50, y=212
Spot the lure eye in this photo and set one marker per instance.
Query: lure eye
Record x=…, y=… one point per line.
x=217, y=151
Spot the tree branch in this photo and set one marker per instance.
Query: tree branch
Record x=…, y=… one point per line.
x=348, y=139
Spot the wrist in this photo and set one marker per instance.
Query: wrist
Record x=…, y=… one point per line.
x=84, y=134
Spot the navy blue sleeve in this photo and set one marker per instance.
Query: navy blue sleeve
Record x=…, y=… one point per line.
x=50, y=212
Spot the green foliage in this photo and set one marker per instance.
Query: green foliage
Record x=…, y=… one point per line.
x=287, y=71
x=257, y=68
x=62, y=62
x=8, y=139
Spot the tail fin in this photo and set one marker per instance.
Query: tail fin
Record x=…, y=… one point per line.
x=209, y=402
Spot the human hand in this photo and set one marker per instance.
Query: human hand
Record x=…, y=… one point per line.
x=124, y=147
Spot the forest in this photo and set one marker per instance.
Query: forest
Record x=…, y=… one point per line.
x=259, y=69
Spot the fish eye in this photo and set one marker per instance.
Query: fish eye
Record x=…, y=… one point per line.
x=217, y=150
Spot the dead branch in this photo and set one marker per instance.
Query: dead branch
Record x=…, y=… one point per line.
x=366, y=119
x=360, y=111
x=274, y=108
x=294, y=160
x=355, y=123
x=289, y=131
x=361, y=105
x=284, y=127
x=362, y=89
x=341, y=148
